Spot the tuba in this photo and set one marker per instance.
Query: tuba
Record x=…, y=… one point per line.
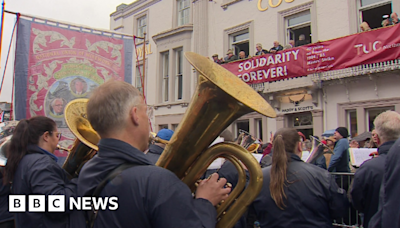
x=315, y=153
x=85, y=144
x=219, y=99
x=248, y=141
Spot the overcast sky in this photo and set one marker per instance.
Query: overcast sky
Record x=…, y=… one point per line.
x=93, y=13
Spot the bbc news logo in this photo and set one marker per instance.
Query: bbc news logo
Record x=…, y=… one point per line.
x=56, y=203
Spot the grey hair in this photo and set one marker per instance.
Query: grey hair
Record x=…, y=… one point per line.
x=259, y=45
x=387, y=126
x=302, y=37
x=56, y=99
x=110, y=104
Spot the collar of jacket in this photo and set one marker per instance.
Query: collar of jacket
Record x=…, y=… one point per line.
x=294, y=157
x=35, y=149
x=385, y=147
x=117, y=149
x=154, y=149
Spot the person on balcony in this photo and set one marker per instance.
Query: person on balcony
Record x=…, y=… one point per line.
x=260, y=50
x=364, y=27
x=277, y=47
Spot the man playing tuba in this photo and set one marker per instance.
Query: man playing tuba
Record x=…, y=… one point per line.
x=148, y=196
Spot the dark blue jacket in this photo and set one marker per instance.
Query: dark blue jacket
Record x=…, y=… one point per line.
x=313, y=198
x=148, y=196
x=340, y=158
x=154, y=153
x=388, y=214
x=367, y=183
x=38, y=173
x=4, y=192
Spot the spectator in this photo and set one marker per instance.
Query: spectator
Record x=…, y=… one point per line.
x=242, y=55
x=340, y=158
x=390, y=20
x=215, y=59
x=368, y=178
x=364, y=27
x=354, y=144
x=260, y=51
x=394, y=18
x=302, y=41
x=231, y=56
x=277, y=47
x=290, y=45
x=156, y=149
x=227, y=56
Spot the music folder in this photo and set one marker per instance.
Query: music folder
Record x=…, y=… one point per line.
x=360, y=155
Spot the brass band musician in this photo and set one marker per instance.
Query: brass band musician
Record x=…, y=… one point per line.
x=149, y=196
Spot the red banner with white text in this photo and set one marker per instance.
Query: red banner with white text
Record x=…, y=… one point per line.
x=363, y=48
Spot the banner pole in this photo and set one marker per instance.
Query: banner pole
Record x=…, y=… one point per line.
x=2, y=27
x=144, y=63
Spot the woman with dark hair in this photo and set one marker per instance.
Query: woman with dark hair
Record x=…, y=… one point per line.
x=295, y=193
x=6, y=218
x=32, y=169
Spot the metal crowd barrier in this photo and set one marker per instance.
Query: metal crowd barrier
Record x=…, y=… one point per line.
x=353, y=218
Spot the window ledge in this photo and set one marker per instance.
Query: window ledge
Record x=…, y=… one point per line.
x=172, y=32
x=228, y=3
x=170, y=104
x=119, y=27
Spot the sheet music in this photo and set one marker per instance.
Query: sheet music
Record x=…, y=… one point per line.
x=216, y=164
x=258, y=157
x=305, y=155
x=3, y=161
x=360, y=155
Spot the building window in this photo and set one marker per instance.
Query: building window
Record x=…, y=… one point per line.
x=183, y=12
x=372, y=11
x=299, y=25
x=242, y=125
x=352, y=122
x=141, y=26
x=373, y=113
x=179, y=73
x=138, y=78
x=165, y=75
x=162, y=126
x=240, y=42
x=259, y=128
x=302, y=122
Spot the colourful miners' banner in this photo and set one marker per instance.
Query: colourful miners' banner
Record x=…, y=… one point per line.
x=57, y=64
x=375, y=46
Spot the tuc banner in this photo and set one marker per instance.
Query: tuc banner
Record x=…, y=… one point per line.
x=375, y=46
x=56, y=64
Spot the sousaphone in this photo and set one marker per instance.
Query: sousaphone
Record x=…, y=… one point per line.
x=85, y=145
x=219, y=99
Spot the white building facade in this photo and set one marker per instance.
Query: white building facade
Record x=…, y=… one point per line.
x=311, y=104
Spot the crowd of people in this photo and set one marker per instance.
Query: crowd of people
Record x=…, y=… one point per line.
x=294, y=193
x=388, y=20
x=230, y=56
x=391, y=19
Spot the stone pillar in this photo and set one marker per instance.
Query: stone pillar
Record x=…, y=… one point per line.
x=318, y=122
x=280, y=121
x=265, y=129
x=361, y=122
x=253, y=127
x=200, y=26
